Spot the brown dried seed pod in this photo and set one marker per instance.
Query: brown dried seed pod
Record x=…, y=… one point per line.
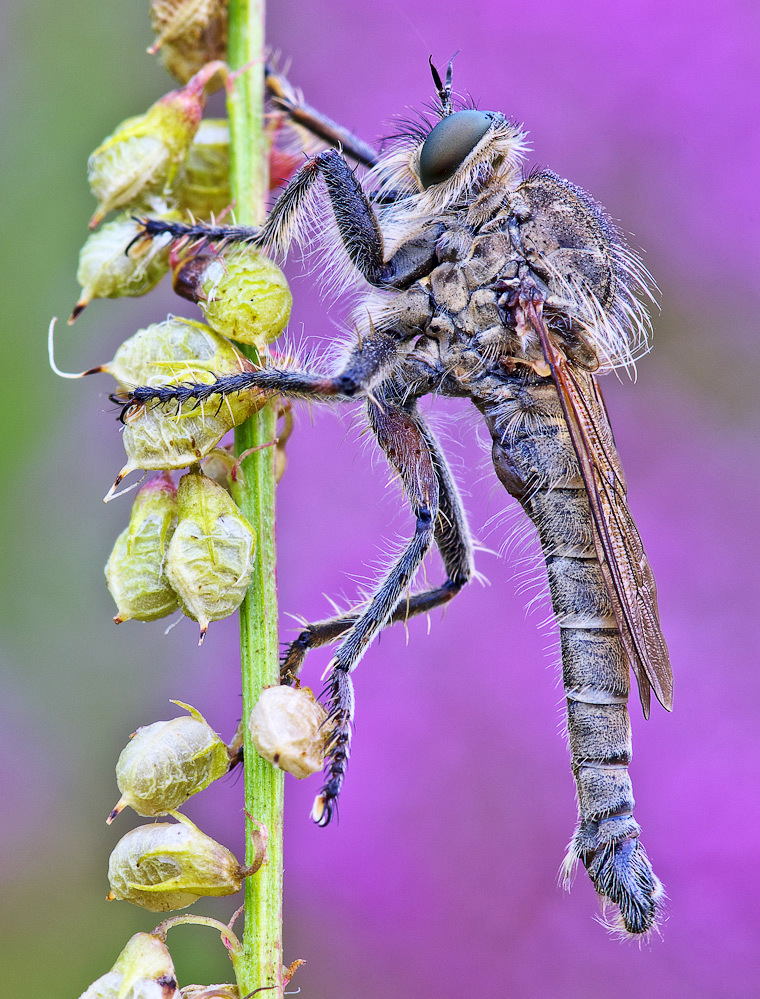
x=173, y=19
x=185, y=54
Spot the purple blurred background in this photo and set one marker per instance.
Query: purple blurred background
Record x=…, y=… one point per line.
x=441, y=876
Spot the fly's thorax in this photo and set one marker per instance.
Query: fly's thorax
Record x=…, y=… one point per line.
x=566, y=237
x=477, y=260
x=466, y=315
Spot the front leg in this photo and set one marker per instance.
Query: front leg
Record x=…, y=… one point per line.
x=355, y=218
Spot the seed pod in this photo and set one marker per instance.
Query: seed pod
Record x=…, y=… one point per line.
x=142, y=155
x=143, y=970
x=174, y=350
x=168, y=865
x=167, y=762
x=210, y=560
x=179, y=350
x=155, y=438
x=202, y=186
x=135, y=570
x=106, y=271
x=242, y=295
x=184, y=54
x=174, y=19
x=289, y=728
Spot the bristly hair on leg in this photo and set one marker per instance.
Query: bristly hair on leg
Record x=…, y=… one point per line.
x=134, y=399
x=201, y=232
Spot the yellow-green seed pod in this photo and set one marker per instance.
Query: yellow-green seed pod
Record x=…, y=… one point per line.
x=135, y=570
x=179, y=350
x=202, y=186
x=143, y=970
x=106, y=271
x=161, y=438
x=168, y=865
x=167, y=762
x=289, y=728
x=142, y=156
x=174, y=350
x=242, y=295
x=210, y=560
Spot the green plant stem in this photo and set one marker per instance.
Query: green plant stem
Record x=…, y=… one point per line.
x=261, y=964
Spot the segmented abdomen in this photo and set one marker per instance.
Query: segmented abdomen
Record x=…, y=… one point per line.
x=534, y=458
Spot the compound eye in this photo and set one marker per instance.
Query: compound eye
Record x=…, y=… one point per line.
x=450, y=143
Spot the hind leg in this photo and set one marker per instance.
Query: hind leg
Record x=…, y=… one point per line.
x=414, y=454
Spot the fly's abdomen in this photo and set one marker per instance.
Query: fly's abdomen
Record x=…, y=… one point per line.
x=534, y=458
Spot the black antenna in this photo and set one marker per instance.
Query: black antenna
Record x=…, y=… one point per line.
x=444, y=92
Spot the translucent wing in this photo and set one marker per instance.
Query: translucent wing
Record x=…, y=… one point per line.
x=624, y=564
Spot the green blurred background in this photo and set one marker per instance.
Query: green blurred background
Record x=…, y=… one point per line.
x=70, y=72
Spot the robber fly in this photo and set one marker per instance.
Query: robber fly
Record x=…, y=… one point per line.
x=514, y=291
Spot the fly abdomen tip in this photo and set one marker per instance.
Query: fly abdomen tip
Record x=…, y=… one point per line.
x=624, y=875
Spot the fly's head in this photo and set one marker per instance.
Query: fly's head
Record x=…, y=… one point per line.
x=466, y=151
